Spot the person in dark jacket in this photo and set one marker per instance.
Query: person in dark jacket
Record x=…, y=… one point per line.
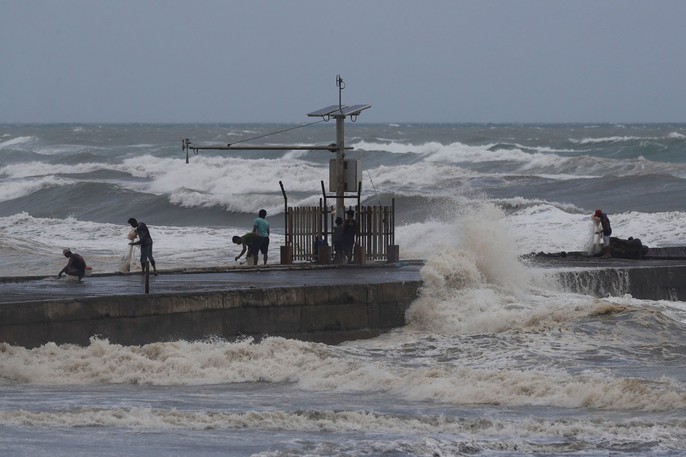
x=75, y=267
x=338, y=240
x=349, y=234
x=145, y=242
x=605, y=229
x=247, y=241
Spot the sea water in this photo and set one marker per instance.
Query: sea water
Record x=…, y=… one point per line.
x=497, y=359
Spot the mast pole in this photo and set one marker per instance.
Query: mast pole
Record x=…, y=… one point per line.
x=340, y=152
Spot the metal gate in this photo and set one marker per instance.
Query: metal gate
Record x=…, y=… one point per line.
x=305, y=225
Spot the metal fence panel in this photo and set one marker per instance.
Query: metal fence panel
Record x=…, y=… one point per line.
x=304, y=224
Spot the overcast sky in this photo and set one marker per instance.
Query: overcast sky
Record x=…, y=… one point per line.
x=275, y=61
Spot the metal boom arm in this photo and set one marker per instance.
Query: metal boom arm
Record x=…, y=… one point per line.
x=186, y=146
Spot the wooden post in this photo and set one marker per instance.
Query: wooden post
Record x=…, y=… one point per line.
x=393, y=253
x=324, y=255
x=360, y=254
x=286, y=255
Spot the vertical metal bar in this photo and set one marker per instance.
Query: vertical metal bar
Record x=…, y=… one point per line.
x=375, y=231
x=325, y=210
x=340, y=172
x=393, y=221
x=285, y=211
x=324, y=220
x=289, y=230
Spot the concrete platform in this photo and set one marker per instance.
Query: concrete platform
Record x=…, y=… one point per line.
x=309, y=302
x=661, y=275
x=39, y=288
x=324, y=304
x=582, y=261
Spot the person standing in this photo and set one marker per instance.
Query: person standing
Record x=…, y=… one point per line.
x=337, y=239
x=145, y=242
x=605, y=229
x=76, y=266
x=349, y=234
x=261, y=228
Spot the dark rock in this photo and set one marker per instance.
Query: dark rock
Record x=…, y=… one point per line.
x=627, y=249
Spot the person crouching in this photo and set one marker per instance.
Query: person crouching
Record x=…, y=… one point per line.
x=75, y=267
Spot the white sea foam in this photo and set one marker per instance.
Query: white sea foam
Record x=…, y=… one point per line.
x=15, y=143
x=488, y=334
x=16, y=188
x=537, y=228
x=328, y=368
x=31, y=169
x=611, y=139
x=453, y=436
x=36, y=244
x=236, y=184
x=542, y=162
x=59, y=149
x=459, y=152
x=474, y=286
x=479, y=268
x=398, y=148
x=547, y=228
x=423, y=178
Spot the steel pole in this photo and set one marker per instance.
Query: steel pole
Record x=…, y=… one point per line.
x=340, y=171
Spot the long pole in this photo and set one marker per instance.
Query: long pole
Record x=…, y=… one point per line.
x=340, y=171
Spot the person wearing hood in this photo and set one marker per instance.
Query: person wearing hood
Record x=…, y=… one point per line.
x=605, y=229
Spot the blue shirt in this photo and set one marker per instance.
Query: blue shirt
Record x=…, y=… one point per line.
x=262, y=227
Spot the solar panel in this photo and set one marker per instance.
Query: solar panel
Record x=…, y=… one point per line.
x=354, y=110
x=326, y=111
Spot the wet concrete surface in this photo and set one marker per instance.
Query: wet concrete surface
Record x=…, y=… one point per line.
x=584, y=261
x=32, y=289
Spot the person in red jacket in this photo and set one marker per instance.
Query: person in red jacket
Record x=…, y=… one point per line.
x=605, y=229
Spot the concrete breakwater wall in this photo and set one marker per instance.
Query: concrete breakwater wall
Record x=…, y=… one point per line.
x=330, y=314
x=652, y=282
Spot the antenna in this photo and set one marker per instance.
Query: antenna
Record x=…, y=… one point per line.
x=338, y=179
x=341, y=85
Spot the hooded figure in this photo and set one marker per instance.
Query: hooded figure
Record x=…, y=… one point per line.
x=606, y=230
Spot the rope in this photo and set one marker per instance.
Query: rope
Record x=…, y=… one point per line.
x=373, y=186
x=276, y=132
x=376, y=192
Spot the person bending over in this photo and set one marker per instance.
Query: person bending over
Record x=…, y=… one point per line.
x=247, y=240
x=76, y=266
x=145, y=242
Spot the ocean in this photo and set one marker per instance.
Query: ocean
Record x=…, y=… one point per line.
x=497, y=359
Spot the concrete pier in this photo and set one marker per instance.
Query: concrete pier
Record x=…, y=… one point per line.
x=317, y=304
x=648, y=279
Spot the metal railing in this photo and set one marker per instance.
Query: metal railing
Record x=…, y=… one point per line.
x=376, y=230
